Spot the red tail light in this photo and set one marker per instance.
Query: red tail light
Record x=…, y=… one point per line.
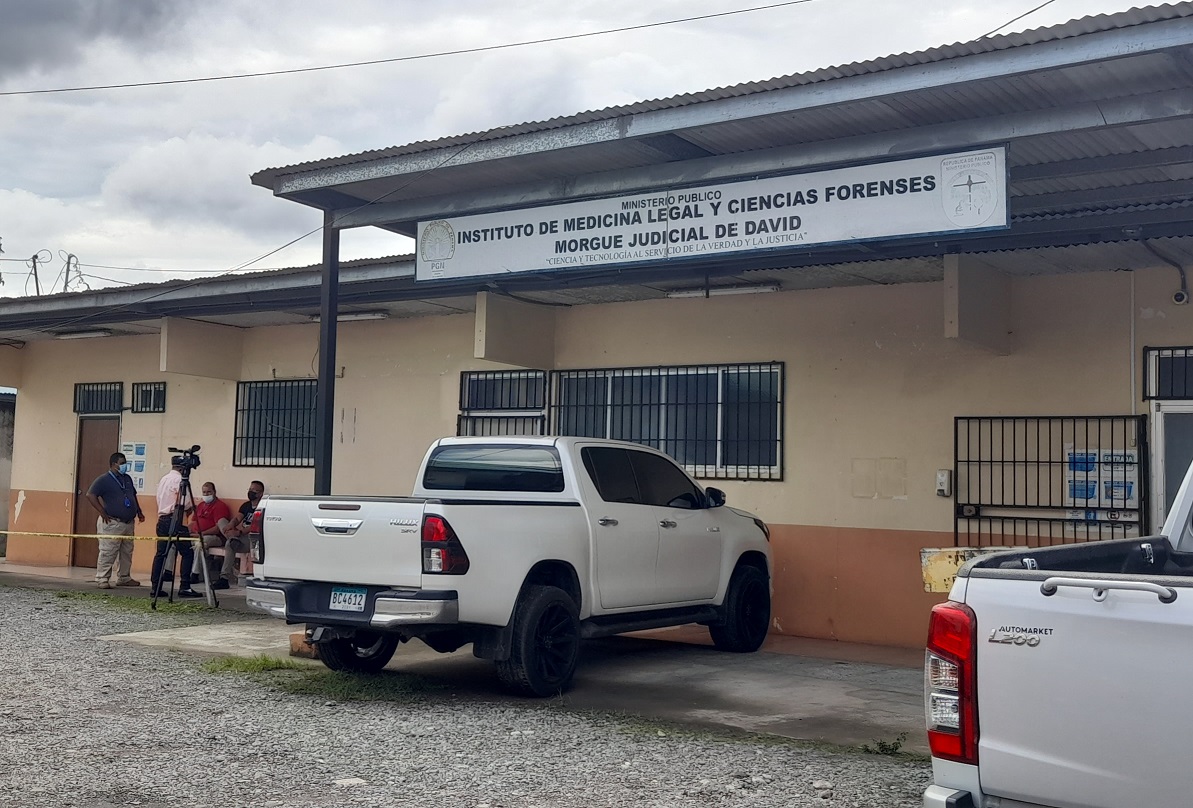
x=443, y=554
x=257, y=535
x=950, y=683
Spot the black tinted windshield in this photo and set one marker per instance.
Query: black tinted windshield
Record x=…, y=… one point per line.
x=492, y=467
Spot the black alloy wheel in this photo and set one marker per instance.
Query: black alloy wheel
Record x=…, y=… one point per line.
x=546, y=643
x=745, y=614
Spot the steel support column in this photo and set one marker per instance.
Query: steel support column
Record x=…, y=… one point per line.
x=329, y=304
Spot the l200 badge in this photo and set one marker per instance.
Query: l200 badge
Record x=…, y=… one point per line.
x=1007, y=638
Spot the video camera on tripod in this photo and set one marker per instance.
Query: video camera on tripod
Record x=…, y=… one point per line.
x=173, y=531
x=186, y=459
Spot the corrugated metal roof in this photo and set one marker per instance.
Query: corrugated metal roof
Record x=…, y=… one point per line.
x=1034, y=94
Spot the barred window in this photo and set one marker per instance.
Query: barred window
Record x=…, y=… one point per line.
x=92, y=398
x=275, y=423
x=1168, y=374
x=718, y=421
x=502, y=402
x=149, y=397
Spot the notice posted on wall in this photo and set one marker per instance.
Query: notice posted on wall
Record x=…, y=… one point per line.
x=137, y=455
x=1101, y=482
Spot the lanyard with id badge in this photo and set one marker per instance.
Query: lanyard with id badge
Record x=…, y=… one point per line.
x=128, y=503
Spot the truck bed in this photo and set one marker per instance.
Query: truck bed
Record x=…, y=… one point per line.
x=1152, y=555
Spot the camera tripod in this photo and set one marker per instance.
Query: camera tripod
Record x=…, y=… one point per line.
x=178, y=533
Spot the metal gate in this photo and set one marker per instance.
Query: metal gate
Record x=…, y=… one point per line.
x=1043, y=480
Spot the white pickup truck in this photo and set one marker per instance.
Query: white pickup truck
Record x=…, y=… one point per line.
x=520, y=546
x=1053, y=675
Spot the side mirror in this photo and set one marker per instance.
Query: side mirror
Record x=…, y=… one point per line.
x=716, y=497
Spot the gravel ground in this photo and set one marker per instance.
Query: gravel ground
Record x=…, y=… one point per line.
x=93, y=723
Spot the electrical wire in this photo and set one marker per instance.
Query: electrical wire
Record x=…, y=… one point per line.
x=1017, y=19
x=417, y=57
x=102, y=278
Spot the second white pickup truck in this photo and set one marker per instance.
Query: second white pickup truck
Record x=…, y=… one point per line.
x=520, y=546
x=1053, y=676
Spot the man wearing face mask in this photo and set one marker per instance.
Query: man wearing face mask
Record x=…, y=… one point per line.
x=237, y=535
x=114, y=497
x=212, y=518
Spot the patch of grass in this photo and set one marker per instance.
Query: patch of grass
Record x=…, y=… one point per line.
x=261, y=663
x=341, y=686
x=133, y=604
x=892, y=748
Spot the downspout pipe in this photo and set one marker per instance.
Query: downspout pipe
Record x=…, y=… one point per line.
x=1180, y=297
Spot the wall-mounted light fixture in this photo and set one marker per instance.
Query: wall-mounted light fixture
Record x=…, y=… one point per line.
x=349, y=316
x=97, y=332
x=716, y=291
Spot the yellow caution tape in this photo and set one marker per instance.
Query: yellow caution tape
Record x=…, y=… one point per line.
x=89, y=536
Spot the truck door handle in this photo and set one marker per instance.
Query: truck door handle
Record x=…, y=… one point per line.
x=667, y=523
x=1166, y=594
x=605, y=521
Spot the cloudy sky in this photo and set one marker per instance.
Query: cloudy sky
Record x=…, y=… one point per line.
x=148, y=183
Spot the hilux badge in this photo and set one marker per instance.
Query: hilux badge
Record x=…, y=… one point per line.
x=404, y=522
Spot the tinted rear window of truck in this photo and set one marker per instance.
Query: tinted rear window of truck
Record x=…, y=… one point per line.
x=493, y=467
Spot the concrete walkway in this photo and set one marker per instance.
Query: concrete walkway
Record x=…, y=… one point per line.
x=806, y=689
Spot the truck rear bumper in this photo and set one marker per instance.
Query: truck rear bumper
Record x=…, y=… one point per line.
x=939, y=797
x=309, y=602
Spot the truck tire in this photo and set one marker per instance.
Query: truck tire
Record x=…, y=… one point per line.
x=546, y=643
x=367, y=652
x=746, y=613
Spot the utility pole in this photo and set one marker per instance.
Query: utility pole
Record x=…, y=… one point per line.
x=36, y=282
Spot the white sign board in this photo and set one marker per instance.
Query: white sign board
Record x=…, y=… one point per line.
x=921, y=196
x=137, y=456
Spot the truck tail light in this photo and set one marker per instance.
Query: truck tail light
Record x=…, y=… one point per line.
x=257, y=535
x=950, y=683
x=443, y=554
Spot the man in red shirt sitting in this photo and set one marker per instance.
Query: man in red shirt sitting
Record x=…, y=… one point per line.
x=212, y=517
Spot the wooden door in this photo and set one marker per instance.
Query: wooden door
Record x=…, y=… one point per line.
x=98, y=438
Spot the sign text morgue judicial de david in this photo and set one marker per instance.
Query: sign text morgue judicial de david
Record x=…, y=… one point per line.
x=950, y=193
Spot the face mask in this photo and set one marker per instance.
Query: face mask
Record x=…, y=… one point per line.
x=125, y=468
x=254, y=496
x=209, y=498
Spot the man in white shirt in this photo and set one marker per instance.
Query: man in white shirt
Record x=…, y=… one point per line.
x=168, y=489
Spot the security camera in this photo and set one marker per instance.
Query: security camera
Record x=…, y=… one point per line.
x=1180, y=297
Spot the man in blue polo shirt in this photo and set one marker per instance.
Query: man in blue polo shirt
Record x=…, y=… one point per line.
x=114, y=497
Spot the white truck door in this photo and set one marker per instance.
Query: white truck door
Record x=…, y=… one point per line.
x=625, y=533
x=689, y=563
x=1079, y=693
